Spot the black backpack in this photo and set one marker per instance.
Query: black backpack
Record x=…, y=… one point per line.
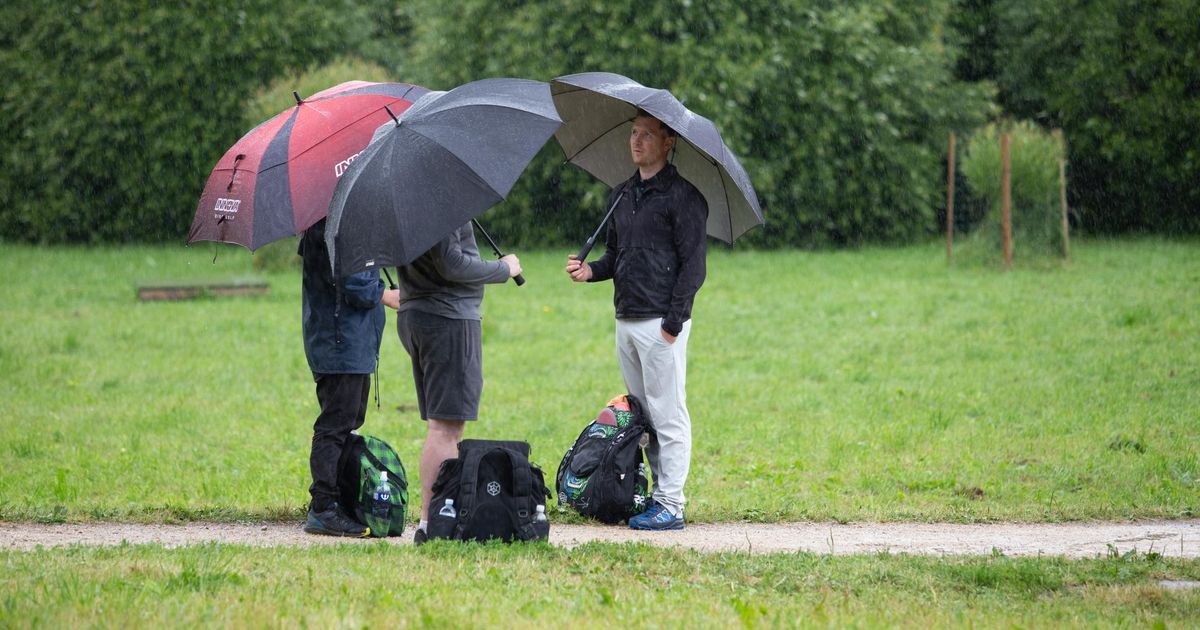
x=603, y=475
x=490, y=491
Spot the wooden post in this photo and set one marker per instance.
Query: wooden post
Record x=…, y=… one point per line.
x=1006, y=200
x=1062, y=193
x=950, y=169
x=1062, y=198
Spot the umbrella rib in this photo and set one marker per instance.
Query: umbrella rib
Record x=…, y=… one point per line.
x=339, y=130
x=594, y=140
x=499, y=106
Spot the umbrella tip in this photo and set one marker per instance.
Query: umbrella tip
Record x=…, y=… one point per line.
x=389, y=111
x=299, y=101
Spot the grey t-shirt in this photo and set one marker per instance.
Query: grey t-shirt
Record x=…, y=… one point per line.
x=448, y=279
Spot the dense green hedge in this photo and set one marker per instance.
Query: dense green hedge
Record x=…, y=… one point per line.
x=838, y=111
x=1122, y=79
x=112, y=113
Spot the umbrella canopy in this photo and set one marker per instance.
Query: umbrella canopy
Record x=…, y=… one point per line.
x=451, y=156
x=598, y=108
x=277, y=180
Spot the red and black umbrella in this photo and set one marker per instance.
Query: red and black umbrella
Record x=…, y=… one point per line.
x=277, y=180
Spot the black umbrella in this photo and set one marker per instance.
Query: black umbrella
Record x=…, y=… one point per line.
x=444, y=161
x=598, y=108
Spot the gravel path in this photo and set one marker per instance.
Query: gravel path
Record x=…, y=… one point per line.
x=1076, y=540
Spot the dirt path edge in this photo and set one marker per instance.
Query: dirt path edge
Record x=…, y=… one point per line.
x=1175, y=539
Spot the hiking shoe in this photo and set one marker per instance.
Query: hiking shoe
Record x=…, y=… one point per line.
x=420, y=537
x=656, y=518
x=332, y=522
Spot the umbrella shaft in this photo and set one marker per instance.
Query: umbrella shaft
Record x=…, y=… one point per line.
x=488, y=237
x=591, y=242
x=519, y=279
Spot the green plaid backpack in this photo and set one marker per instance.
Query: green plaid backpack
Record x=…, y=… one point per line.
x=363, y=460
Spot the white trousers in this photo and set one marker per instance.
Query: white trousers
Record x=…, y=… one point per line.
x=656, y=373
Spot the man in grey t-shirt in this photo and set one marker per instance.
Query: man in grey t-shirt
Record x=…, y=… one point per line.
x=439, y=324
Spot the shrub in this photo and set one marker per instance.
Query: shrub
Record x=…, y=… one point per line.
x=1034, y=180
x=1120, y=78
x=276, y=97
x=838, y=112
x=112, y=113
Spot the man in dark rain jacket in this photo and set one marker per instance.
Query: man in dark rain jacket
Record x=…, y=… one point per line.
x=343, y=326
x=655, y=257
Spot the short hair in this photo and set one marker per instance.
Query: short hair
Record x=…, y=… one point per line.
x=641, y=113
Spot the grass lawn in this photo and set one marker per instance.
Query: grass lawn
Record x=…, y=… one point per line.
x=448, y=585
x=866, y=385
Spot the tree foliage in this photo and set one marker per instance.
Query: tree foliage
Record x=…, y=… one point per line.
x=1033, y=158
x=1122, y=79
x=112, y=113
x=837, y=111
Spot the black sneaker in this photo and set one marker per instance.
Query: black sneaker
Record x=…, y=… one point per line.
x=332, y=522
x=421, y=537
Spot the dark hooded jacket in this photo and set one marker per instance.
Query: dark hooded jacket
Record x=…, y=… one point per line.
x=655, y=248
x=343, y=325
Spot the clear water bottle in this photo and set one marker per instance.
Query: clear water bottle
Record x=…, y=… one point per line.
x=382, y=497
x=540, y=516
x=448, y=509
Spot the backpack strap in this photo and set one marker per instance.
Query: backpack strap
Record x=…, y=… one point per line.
x=392, y=476
x=639, y=414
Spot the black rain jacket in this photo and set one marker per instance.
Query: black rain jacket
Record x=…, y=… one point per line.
x=655, y=248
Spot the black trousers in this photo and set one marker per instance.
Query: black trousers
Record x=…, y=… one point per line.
x=343, y=399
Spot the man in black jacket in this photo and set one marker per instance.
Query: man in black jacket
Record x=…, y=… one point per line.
x=655, y=249
x=343, y=326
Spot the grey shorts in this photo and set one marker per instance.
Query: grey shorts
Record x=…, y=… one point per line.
x=447, y=363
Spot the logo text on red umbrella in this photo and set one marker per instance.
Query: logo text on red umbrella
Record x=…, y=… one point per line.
x=340, y=167
x=227, y=205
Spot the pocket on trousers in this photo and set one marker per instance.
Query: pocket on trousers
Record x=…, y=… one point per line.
x=436, y=340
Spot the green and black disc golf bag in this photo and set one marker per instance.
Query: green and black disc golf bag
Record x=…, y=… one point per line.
x=363, y=459
x=603, y=475
x=494, y=493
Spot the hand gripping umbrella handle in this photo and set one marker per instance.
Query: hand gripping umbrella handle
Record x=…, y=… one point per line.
x=591, y=242
x=519, y=279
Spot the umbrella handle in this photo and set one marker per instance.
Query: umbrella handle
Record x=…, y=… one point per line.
x=591, y=242
x=519, y=279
